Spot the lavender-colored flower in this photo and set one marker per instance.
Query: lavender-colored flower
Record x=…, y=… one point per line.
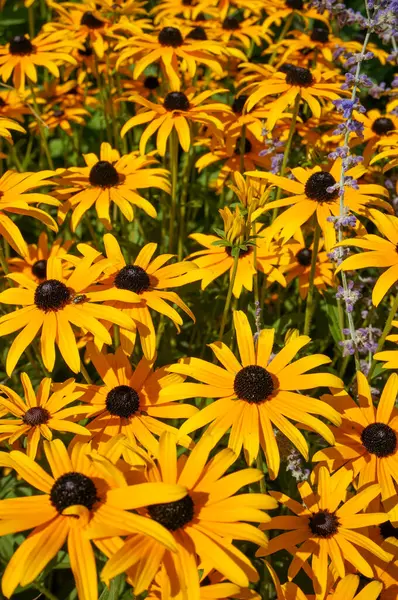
x=350, y=297
x=276, y=163
x=342, y=222
x=338, y=255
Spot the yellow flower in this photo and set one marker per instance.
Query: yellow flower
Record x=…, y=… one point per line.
x=256, y=394
x=16, y=196
x=129, y=402
x=84, y=499
x=53, y=305
x=202, y=523
x=40, y=412
x=21, y=56
x=324, y=527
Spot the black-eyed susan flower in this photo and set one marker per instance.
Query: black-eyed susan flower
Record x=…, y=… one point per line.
x=294, y=82
x=300, y=267
x=21, y=56
x=13, y=104
x=377, y=127
x=61, y=117
x=54, y=305
x=350, y=588
x=128, y=402
x=109, y=179
x=367, y=439
x=79, y=502
x=168, y=47
x=189, y=10
x=202, y=523
x=149, y=280
x=217, y=257
x=40, y=413
x=279, y=10
x=176, y=111
x=257, y=393
x=380, y=252
x=229, y=153
x=83, y=22
x=34, y=264
x=17, y=194
x=234, y=31
x=315, y=191
x=324, y=526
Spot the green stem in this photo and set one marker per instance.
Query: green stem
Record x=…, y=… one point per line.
x=41, y=128
x=260, y=467
x=183, y=201
x=31, y=20
x=229, y=295
x=85, y=373
x=386, y=331
x=46, y=593
x=284, y=31
x=173, y=141
x=310, y=298
x=3, y=262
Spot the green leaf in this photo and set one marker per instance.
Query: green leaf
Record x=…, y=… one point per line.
x=219, y=232
x=333, y=318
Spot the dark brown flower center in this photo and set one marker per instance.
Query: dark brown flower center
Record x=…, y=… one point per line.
x=238, y=104
x=231, y=24
x=248, y=146
x=299, y=76
x=295, y=4
x=91, y=21
x=36, y=416
x=123, y=401
x=198, y=33
x=379, y=439
x=176, y=101
x=71, y=489
x=87, y=51
x=3, y=103
x=253, y=384
x=132, y=278
x=51, y=295
x=317, y=186
x=173, y=515
x=387, y=530
x=20, y=45
x=320, y=34
x=324, y=524
x=383, y=125
x=58, y=113
x=103, y=174
x=151, y=82
x=39, y=269
x=170, y=36
x=304, y=257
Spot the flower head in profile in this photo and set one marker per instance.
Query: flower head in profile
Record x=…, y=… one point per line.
x=38, y=413
x=203, y=522
x=21, y=56
x=300, y=267
x=379, y=252
x=315, y=191
x=62, y=118
x=106, y=180
x=34, y=264
x=367, y=439
x=128, y=402
x=257, y=393
x=80, y=501
x=17, y=194
x=324, y=528
x=54, y=305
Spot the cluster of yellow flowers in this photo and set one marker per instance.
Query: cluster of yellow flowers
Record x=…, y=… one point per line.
x=168, y=467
